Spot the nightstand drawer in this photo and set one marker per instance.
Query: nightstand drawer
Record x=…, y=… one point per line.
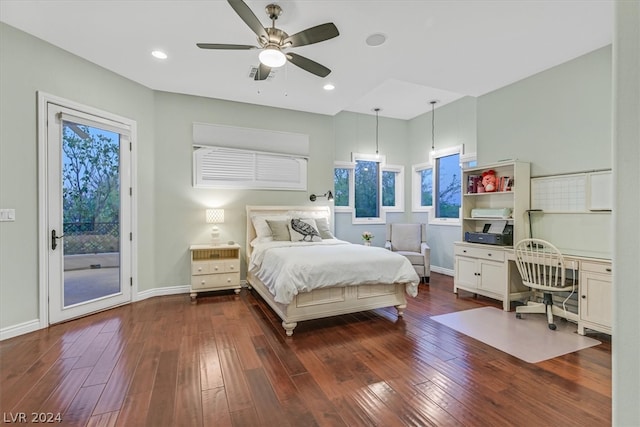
x=483, y=253
x=213, y=267
x=212, y=281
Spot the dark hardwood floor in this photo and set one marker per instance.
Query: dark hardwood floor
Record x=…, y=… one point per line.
x=226, y=362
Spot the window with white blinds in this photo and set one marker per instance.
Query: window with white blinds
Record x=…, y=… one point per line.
x=221, y=167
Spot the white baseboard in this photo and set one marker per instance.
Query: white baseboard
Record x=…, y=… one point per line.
x=442, y=270
x=156, y=292
x=20, y=329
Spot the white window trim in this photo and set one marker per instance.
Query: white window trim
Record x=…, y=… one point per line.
x=416, y=187
x=384, y=167
x=382, y=219
x=458, y=149
x=351, y=167
x=399, y=202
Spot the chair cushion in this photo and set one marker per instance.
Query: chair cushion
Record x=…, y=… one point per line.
x=406, y=237
x=416, y=258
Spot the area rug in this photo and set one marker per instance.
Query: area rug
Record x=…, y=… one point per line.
x=529, y=338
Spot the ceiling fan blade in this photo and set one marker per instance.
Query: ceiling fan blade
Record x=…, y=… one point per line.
x=312, y=35
x=308, y=65
x=249, y=18
x=225, y=46
x=262, y=73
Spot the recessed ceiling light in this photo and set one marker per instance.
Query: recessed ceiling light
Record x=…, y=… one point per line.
x=376, y=39
x=159, y=54
x=329, y=86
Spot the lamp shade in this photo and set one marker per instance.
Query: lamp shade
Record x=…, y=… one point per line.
x=215, y=216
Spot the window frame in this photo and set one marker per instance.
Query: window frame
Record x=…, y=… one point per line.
x=350, y=166
x=383, y=167
x=399, y=187
x=416, y=187
x=445, y=152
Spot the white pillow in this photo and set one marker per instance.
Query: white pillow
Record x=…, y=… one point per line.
x=301, y=232
x=263, y=231
x=310, y=214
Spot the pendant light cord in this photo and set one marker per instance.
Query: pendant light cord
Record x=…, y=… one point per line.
x=377, y=110
x=433, y=126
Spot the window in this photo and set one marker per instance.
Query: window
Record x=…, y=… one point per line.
x=341, y=186
x=437, y=186
x=422, y=187
x=220, y=167
x=368, y=188
x=447, y=186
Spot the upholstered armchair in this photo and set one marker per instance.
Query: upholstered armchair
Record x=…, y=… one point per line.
x=410, y=240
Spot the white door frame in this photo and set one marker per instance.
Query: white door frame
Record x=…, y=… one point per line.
x=43, y=229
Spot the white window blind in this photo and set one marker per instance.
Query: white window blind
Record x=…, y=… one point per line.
x=220, y=167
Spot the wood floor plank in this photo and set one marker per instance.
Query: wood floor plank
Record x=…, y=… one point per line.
x=188, y=406
x=135, y=410
x=39, y=388
x=215, y=409
x=282, y=383
x=108, y=419
x=238, y=395
x=324, y=412
x=117, y=386
x=163, y=394
x=79, y=411
x=265, y=401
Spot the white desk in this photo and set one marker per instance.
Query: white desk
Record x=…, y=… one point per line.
x=491, y=271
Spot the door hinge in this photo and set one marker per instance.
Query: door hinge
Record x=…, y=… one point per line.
x=130, y=236
x=131, y=281
x=130, y=146
x=131, y=191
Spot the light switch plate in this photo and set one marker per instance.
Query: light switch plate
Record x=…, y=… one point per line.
x=7, y=215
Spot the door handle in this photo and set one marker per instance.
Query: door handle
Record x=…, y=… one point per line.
x=54, y=240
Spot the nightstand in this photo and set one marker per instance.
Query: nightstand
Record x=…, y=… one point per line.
x=214, y=267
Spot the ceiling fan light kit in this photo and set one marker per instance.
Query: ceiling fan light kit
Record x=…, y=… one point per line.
x=273, y=41
x=272, y=57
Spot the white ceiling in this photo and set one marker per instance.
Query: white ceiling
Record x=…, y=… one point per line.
x=440, y=50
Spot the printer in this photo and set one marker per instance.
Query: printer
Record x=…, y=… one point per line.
x=503, y=238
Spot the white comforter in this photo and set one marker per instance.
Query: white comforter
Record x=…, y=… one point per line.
x=288, y=268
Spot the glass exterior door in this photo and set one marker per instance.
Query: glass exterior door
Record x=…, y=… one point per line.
x=87, y=205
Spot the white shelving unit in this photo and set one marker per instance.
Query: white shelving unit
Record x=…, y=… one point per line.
x=482, y=268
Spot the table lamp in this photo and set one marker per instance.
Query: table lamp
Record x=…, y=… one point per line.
x=215, y=216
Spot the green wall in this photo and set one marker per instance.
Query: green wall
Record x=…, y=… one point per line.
x=559, y=119
x=179, y=207
x=29, y=65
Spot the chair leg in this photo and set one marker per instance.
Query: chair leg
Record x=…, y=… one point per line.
x=548, y=307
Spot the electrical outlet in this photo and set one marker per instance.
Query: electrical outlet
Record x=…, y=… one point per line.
x=7, y=215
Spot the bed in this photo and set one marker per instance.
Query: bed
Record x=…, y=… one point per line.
x=298, y=278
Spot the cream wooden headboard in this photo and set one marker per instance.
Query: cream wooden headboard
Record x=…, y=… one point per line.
x=279, y=210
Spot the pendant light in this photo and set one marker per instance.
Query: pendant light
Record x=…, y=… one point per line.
x=433, y=127
x=377, y=110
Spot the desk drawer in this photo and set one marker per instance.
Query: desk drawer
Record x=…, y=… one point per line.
x=483, y=253
x=596, y=267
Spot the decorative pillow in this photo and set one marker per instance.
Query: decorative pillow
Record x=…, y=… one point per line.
x=304, y=230
x=263, y=231
x=322, y=224
x=279, y=230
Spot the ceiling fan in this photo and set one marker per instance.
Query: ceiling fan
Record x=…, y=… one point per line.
x=273, y=41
